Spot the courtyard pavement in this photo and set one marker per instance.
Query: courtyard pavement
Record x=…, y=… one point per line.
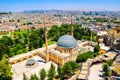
x=20, y=68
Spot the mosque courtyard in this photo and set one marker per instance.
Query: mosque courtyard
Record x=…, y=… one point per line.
x=19, y=68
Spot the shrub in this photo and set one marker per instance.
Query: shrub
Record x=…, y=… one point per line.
x=84, y=56
x=106, y=70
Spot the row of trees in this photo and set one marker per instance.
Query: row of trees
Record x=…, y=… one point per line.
x=42, y=74
x=61, y=73
x=79, y=33
x=22, y=41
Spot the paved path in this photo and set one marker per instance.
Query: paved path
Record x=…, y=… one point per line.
x=96, y=72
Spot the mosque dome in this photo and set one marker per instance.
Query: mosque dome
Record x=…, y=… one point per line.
x=67, y=41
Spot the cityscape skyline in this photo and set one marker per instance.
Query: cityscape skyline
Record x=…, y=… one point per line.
x=92, y=5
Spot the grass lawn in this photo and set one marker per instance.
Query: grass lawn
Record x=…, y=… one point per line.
x=49, y=43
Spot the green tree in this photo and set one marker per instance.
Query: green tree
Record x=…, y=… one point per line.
x=16, y=41
x=78, y=32
x=13, y=51
x=60, y=72
x=35, y=41
x=42, y=74
x=6, y=41
x=5, y=69
x=109, y=62
x=73, y=65
x=29, y=23
x=53, y=31
x=97, y=48
x=51, y=72
x=106, y=70
x=24, y=77
x=67, y=69
x=84, y=56
x=34, y=77
x=19, y=46
x=56, y=37
x=4, y=50
x=40, y=34
x=109, y=26
x=64, y=29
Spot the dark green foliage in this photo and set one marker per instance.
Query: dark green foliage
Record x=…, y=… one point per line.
x=16, y=41
x=84, y=56
x=51, y=72
x=83, y=33
x=53, y=31
x=29, y=23
x=4, y=50
x=78, y=32
x=65, y=29
x=22, y=42
x=34, y=77
x=6, y=41
x=73, y=65
x=4, y=13
x=42, y=74
x=67, y=69
x=56, y=37
x=100, y=20
x=109, y=26
x=13, y=51
x=96, y=48
x=60, y=72
x=106, y=70
x=34, y=41
x=109, y=62
x=96, y=54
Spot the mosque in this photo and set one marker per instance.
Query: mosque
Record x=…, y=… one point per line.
x=65, y=50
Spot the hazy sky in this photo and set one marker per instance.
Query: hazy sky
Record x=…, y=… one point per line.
x=20, y=5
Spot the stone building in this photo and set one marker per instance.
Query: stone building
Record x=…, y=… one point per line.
x=66, y=50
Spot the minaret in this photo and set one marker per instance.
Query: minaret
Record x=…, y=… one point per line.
x=71, y=26
x=46, y=41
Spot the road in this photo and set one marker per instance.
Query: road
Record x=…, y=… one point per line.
x=96, y=72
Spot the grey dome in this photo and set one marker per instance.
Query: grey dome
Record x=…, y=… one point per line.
x=31, y=61
x=67, y=41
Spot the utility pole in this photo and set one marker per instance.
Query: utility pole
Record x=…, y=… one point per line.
x=46, y=41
